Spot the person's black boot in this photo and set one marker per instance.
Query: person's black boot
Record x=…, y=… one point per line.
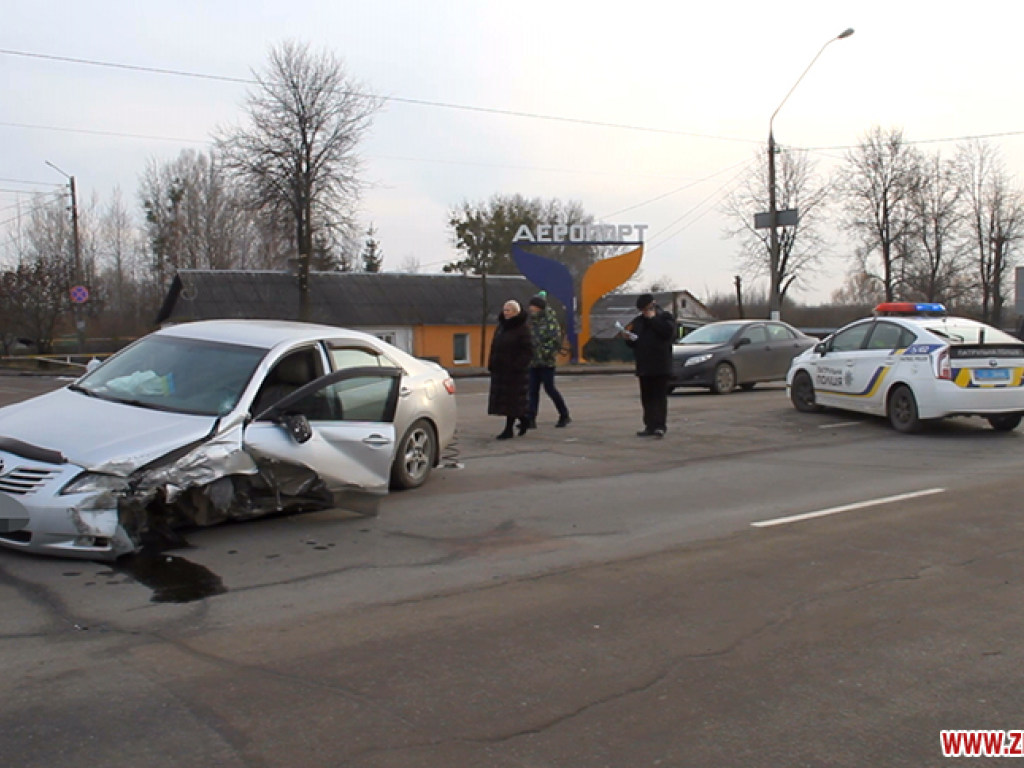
x=507, y=432
x=524, y=424
x=564, y=421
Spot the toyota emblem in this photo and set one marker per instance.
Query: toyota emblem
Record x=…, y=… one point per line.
x=993, y=363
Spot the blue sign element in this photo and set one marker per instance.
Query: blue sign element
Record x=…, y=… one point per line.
x=555, y=278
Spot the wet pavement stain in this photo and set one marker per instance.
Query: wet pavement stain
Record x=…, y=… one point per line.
x=173, y=579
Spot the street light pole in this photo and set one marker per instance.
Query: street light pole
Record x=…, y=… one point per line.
x=774, y=291
x=76, y=252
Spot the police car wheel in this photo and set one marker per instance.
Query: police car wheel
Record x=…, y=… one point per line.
x=802, y=394
x=903, y=410
x=1004, y=422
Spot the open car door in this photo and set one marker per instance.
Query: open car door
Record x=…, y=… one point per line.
x=334, y=435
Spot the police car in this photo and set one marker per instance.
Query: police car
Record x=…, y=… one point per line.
x=912, y=362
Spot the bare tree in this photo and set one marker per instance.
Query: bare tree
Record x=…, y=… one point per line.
x=801, y=247
x=410, y=265
x=859, y=289
x=935, y=264
x=876, y=184
x=297, y=156
x=121, y=253
x=995, y=215
x=35, y=293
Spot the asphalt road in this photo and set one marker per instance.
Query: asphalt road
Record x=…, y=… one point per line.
x=577, y=597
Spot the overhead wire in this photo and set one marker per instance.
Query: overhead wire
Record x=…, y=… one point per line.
x=710, y=200
x=22, y=181
x=395, y=99
x=92, y=132
x=31, y=209
x=675, y=191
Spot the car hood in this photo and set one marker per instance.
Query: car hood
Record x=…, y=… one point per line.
x=689, y=350
x=99, y=434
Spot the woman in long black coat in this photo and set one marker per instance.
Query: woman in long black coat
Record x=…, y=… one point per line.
x=509, y=364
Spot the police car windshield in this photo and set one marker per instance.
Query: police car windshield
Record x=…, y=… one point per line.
x=964, y=333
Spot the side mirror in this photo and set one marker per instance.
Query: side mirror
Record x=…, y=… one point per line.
x=298, y=427
x=821, y=348
x=741, y=342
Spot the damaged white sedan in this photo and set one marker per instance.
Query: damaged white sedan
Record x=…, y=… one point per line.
x=218, y=420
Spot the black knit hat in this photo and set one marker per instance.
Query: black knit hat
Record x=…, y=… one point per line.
x=538, y=301
x=644, y=300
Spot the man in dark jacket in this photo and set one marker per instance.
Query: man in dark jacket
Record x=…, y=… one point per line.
x=650, y=335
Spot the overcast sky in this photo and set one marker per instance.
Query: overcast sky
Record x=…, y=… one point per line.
x=706, y=76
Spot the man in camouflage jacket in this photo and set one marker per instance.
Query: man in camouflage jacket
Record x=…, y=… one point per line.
x=547, y=341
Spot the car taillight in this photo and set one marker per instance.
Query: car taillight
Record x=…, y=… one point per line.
x=943, y=368
x=449, y=385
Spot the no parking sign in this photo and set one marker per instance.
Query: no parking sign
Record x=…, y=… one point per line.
x=79, y=294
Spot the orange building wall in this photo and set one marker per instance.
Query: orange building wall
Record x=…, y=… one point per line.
x=437, y=342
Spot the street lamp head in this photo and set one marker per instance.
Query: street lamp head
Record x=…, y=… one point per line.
x=58, y=170
x=845, y=33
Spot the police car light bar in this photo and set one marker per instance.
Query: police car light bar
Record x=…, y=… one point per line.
x=910, y=308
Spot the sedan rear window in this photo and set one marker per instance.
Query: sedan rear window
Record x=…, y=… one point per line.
x=970, y=333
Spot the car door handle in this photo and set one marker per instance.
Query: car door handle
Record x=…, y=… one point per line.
x=404, y=392
x=376, y=440
x=849, y=363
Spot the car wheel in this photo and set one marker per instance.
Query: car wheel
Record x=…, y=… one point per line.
x=415, y=457
x=802, y=394
x=903, y=410
x=1004, y=422
x=746, y=386
x=724, y=381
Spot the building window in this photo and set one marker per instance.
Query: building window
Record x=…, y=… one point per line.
x=460, y=348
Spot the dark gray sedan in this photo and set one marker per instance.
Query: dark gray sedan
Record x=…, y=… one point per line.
x=722, y=356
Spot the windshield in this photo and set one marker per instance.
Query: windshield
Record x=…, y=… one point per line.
x=716, y=333
x=969, y=332
x=172, y=374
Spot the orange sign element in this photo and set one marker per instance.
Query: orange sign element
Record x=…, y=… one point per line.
x=603, y=277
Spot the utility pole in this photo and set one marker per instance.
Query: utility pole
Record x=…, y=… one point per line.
x=76, y=277
x=739, y=295
x=775, y=281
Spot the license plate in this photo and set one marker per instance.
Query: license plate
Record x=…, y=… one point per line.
x=991, y=374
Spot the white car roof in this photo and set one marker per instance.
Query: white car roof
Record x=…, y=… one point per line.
x=265, y=334
x=271, y=334
x=940, y=328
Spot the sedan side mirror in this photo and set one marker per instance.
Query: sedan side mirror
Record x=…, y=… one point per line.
x=821, y=348
x=298, y=427
x=741, y=342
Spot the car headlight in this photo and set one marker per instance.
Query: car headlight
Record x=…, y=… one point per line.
x=698, y=359
x=90, y=482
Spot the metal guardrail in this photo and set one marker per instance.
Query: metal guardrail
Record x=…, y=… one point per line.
x=49, y=362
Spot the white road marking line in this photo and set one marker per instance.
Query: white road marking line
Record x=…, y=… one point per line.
x=846, y=508
x=840, y=424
